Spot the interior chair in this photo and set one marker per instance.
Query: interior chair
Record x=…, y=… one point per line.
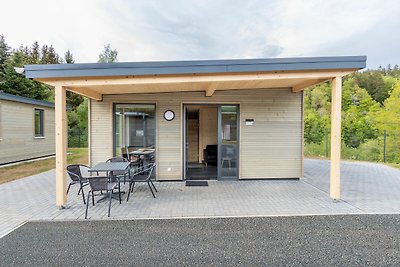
x=142, y=175
x=228, y=155
x=211, y=155
x=100, y=184
x=75, y=173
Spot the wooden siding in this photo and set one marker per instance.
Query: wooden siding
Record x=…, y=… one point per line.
x=208, y=117
x=193, y=140
x=271, y=148
x=18, y=132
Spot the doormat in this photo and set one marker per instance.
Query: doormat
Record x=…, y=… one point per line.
x=202, y=177
x=196, y=183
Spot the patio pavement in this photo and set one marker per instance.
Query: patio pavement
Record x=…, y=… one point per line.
x=366, y=187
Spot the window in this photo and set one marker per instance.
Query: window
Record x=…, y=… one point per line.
x=39, y=122
x=134, y=128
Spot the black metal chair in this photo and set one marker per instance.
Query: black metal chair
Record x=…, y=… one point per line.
x=119, y=174
x=74, y=172
x=143, y=174
x=100, y=184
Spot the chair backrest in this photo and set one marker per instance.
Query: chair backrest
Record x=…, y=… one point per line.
x=74, y=172
x=117, y=159
x=98, y=183
x=146, y=169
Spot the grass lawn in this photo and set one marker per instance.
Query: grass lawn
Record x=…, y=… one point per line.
x=7, y=174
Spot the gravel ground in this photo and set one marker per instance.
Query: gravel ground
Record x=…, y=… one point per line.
x=341, y=240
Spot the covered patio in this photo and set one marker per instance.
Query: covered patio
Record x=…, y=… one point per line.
x=98, y=81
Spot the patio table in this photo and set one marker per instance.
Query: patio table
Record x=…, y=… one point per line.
x=111, y=167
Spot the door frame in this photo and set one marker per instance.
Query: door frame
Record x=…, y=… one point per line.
x=219, y=168
x=184, y=134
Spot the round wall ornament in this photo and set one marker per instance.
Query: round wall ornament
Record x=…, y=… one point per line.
x=169, y=115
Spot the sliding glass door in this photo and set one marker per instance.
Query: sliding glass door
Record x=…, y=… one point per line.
x=228, y=137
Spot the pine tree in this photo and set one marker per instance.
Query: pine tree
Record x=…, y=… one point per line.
x=73, y=100
x=4, y=52
x=33, y=54
x=16, y=84
x=68, y=57
x=109, y=55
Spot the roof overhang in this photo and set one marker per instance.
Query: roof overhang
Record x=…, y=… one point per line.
x=25, y=100
x=95, y=80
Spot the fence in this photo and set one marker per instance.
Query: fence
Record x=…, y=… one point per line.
x=384, y=148
x=77, y=137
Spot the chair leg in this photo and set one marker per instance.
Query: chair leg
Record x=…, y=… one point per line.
x=119, y=193
x=79, y=191
x=153, y=185
x=87, y=204
x=129, y=191
x=83, y=195
x=148, y=183
x=69, y=186
x=109, y=205
x=92, y=198
x=133, y=185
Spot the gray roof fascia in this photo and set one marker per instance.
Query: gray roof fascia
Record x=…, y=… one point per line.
x=25, y=100
x=194, y=67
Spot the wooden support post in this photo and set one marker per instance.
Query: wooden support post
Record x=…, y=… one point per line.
x=61, y=146
x=336, y=137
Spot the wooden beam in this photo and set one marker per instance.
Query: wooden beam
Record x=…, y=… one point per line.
x=211, y=89
x=336, y=137
x=109, y=81
x=61, y=146
x=301, y=86
x=87, y=92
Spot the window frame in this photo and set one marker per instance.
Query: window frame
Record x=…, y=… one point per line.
x=115, y=104
x=41, y=133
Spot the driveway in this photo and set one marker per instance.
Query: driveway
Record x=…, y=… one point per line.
x=335, y=240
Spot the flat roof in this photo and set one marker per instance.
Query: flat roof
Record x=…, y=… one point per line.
x=25, y=100
x=193, y=67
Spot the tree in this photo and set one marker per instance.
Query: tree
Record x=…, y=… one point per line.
x=49, y=55
x=374, y=83
x=32, y=54
x=4, y=52
x=388, y=119
x=73, y=100
x=358, y=125
x=109, y=55
x=68, y=57
x=314, y=127
x=17, y=84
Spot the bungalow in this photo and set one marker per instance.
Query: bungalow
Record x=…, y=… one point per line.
x=231, y=119
x=26, y=129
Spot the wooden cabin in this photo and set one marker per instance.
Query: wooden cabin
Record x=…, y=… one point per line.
x=211, y=119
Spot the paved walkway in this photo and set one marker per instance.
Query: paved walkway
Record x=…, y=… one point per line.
x=367, y=188
x=371, y=187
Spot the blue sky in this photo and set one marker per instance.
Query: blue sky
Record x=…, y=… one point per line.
x=219, y=29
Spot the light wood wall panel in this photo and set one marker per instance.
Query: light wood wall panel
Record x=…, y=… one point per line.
x=271, y=148
x=18, y=132
x=193, y=140
x=208, y=117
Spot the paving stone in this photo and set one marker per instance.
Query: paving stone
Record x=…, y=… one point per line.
x=366, y=188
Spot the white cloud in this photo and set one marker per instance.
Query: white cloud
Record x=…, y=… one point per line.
x=178, y=29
